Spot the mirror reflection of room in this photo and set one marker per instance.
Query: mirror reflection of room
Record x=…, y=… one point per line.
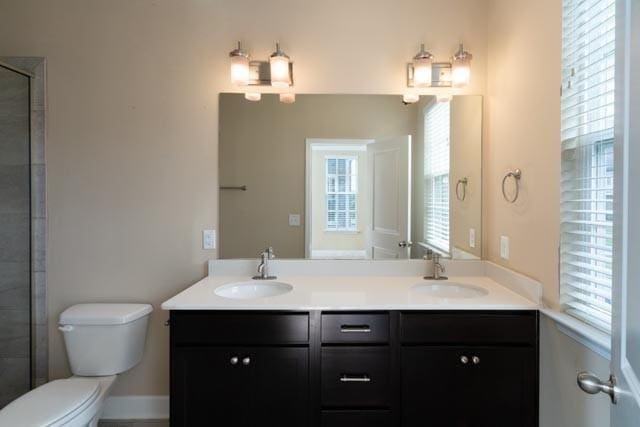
x=350, y=177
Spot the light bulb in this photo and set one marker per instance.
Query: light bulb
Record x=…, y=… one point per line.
x=239, y=66
x=410, y=98
x=287, y=98
x=279, y=65
x=461, y=68
x=253, y=96
x=422, y=68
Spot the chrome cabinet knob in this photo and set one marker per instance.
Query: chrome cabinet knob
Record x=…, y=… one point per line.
x=233, y=360
x=464, y=360
x=475, y=360
x=246, y=361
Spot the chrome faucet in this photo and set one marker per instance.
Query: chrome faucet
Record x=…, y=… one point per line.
x=438, y=268
x=263, y=268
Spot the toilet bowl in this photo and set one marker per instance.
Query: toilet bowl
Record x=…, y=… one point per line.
x=102, y=341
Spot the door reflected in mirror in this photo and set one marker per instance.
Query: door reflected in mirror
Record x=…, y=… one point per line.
x=350, y=177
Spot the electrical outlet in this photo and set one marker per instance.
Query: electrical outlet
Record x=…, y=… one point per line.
x=294, y=220
x=504, y=247
x=472, y=237
x=208, y=239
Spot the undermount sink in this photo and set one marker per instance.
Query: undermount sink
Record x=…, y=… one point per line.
x=253, y=289
x=449, y=290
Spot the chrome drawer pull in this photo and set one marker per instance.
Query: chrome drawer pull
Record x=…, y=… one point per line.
x=355, y=328
x=345, y=378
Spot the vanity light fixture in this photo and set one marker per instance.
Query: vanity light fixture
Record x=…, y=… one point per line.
x=461, y=68
x=287, y=98
x=279, y=65
x=424, y=72
x=422, y=68
x=253, y=96
x=239, y=66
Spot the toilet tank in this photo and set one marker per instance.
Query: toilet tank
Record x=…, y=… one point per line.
x=104, y=339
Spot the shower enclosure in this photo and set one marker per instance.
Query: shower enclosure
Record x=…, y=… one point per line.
x=19, y=331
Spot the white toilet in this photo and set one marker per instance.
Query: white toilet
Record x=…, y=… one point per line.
x=102, y=340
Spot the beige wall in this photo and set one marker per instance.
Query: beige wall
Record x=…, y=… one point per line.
x=133, y=114
x=523, y=129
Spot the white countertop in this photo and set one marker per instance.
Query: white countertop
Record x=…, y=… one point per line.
x=349, y=293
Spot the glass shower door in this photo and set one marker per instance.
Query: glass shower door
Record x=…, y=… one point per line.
x=15, y=225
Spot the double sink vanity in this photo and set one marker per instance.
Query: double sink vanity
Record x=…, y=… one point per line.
x=355, y=343
x=343, y=329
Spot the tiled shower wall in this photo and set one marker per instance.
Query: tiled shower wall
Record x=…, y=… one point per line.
x=23, y=330
x=15, y=216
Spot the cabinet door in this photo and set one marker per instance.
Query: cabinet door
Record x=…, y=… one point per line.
x=279, y=387
x=207, y=387
x=434, y=387
x=502, y=387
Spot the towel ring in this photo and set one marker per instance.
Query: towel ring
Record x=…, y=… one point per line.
x=516, y=175
x=464, y=181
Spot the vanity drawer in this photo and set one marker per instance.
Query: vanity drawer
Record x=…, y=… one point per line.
x=470, y=327
x=355, y=377
x=246, y=328
x=355, y=328
x=370, y=418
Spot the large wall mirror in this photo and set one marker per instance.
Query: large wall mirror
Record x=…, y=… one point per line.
x=350, y=177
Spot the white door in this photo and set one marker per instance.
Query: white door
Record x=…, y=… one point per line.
x=389, y=166
x=625, y=345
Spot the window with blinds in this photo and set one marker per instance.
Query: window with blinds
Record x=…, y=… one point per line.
x=436, y=176
x=342, y=193
x=587, y=104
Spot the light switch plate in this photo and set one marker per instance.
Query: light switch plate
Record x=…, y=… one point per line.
x=504, y=247
x=472, y=237
x=208, y=239
x=294, y=220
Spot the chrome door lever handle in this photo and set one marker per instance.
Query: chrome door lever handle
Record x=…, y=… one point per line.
x=591, y=384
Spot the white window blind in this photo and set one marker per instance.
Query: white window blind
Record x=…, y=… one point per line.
x=588, y=43
x=342, y=193
x=436, y=176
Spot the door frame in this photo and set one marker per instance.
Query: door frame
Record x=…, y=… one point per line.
x=321, y=144
x=627, y=203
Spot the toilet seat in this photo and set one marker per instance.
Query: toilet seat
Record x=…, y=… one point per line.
x=53, y=404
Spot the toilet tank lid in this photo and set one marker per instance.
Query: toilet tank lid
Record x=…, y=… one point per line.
x=104, y=314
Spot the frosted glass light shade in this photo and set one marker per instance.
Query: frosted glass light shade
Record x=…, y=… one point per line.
x=287, y=98
x=410, y=98
x=460, y=72
x=422, y=72
x=279, y=65
x=239, y=70
x=253, y=96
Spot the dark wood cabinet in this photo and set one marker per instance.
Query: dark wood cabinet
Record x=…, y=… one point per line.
x=240, y=386
x=469, y=387
x=391, y=369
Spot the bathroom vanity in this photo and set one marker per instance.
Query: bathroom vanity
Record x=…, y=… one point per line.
x=354, y=351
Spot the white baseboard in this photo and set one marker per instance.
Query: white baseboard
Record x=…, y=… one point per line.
x=136, y=408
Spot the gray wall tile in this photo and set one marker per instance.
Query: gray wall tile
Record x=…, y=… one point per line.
x=14, y=189
x=14, y=140
x=14, y=237
x=15, y=333
x=37, y=137
x=14, y=285
x=38, y=191
x=14, y=377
